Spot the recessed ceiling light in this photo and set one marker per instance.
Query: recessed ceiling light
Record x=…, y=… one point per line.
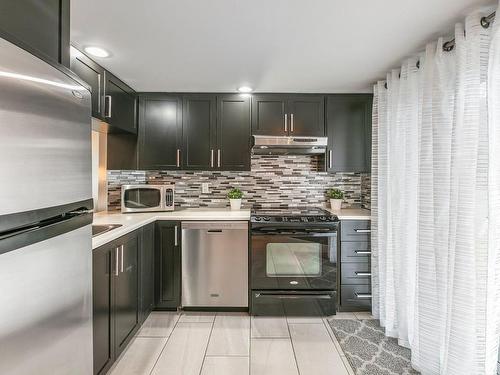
x=96, y=51
x=245, y=89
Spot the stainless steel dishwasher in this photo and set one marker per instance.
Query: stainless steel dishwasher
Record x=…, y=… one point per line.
x=215, y=264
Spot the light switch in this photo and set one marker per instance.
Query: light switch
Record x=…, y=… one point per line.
x=204, y=188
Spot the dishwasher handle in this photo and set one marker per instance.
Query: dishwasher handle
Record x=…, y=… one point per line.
x=214, y=226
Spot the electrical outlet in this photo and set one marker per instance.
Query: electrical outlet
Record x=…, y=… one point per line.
x=204, y=188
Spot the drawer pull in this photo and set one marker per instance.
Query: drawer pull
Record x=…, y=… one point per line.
x=363, y=295
x=363, y=252
x=363, y=273
x=363, y=230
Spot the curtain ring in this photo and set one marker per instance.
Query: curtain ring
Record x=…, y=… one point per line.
x=448, y=46
x=418, y=64
x=485, y=22
x=385, y=85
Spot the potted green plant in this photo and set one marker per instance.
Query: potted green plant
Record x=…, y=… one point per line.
x=235, y=196
x=336, y=198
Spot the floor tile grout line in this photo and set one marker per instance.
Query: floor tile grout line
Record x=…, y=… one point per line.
x=208, y=343
x=342, y=354
x=166, y=342
x=293, y=347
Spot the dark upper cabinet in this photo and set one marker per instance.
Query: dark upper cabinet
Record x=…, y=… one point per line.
x=119, y=104
x=268, y=115
x=41, y=27
x=115, y=298
x=198, y=132
x=233, y=133
x=348, y=123
x=168, y=265
x=146, y=298
x=93, y=75
x=306, y=115
x=288, y=115
x=160, y=132
x=102, y=304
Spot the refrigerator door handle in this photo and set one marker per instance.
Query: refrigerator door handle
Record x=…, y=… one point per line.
x=121, y=262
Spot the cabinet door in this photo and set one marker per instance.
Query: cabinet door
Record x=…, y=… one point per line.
x=93, y=75
x=349, y=132
x=147, y=271
x=102, y=306
x=307, y=115
x=126, y=292
x=168, y=265
x=198, y=130
x=41, y=27
x=233, y=133
x=119, y=104
x=268, y=115
x=160, y=132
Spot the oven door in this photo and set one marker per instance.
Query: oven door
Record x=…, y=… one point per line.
x=142, y=198
x=294, y=259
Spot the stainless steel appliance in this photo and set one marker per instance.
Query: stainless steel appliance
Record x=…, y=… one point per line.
x=146, y=198
x=215, y=264
x=293, y=262
x=281, y=145
x=45, y=218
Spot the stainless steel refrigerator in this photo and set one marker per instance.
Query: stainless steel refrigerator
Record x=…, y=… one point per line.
x=45, y=223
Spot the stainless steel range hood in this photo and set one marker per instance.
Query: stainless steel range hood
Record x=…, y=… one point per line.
x=276, y=145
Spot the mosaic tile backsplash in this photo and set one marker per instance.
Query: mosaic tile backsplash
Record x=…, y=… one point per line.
x=273, y=181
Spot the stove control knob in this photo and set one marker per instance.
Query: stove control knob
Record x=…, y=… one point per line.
x=267, y=218
x=322, y=218
x=257, y=218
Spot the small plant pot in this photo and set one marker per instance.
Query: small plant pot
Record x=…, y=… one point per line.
x=235, y=204
x=336, y=204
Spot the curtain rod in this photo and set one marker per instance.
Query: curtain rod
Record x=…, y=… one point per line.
x=485, y=23
x=449, y=45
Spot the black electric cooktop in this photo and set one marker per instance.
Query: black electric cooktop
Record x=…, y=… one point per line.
x=292, y=215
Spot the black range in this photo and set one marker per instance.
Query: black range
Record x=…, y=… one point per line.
x=293, y=261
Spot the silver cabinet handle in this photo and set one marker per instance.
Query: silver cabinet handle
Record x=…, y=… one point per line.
x=218, y=158
x=121, y=250
x=178, y=158
x=99, y=93
x=291, y=122
x=286, y=121
x=330, y=159
x=362, y=252
x=363, y=273
x=107, y=108
x=362, y=230
x=363, y=295
x=176, y=242
x=212, y=158
x=117, y=259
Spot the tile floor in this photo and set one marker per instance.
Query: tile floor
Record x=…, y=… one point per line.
x=234, y=343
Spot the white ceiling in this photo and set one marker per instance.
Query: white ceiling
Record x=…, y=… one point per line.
x=271, y=45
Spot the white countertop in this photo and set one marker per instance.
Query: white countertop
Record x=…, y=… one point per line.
x=352, y=213
x=131, y=222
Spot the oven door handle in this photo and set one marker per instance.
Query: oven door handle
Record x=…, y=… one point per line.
x=313, y=233
x=294, y=296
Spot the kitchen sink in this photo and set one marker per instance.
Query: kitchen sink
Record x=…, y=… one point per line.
x=100, y=229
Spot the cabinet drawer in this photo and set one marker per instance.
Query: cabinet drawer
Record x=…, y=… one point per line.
x=358, y=251
x=356, y=273
x=356, y=298
x=355, y=230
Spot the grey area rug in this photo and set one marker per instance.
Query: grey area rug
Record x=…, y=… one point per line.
x=368, y=350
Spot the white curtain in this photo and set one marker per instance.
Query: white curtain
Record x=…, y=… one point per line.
x=436, y=203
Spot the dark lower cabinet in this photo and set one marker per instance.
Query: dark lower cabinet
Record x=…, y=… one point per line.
x=348, y=125
x=119, y=104
x=198, y=132
x=41, y=27
x=115, y=298
x=160, y=131
x=168, y=265
x=147, y=253
x=234, y=139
